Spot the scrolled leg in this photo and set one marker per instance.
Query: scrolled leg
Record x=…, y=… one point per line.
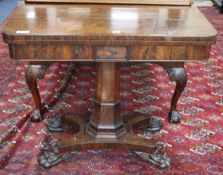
x=180, y=77
x=33, y=73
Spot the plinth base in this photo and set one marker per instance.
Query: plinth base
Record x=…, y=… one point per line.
x=57, y=151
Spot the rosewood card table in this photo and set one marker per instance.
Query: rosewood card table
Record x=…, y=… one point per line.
x=107, y=35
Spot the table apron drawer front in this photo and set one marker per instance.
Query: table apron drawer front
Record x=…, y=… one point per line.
x=169, y=52
x=56, y=52
x=111, y=53
x=51, y=52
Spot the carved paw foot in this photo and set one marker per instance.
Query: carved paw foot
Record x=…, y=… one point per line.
x=51, y=155
x=55, y=124
x=174, y=116
x=154, y=125
x=36, y=116
x=162, y=161
x=49, y=158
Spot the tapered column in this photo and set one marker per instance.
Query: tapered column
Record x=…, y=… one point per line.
x=106, y=122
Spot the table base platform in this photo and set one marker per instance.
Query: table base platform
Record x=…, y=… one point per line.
x=57, y=151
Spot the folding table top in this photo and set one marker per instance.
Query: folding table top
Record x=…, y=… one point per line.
x=53, y=31
x=126, y=22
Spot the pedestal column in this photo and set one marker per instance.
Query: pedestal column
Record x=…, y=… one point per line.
x=106, y=122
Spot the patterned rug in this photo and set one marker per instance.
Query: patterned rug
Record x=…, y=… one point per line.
x=195, y=145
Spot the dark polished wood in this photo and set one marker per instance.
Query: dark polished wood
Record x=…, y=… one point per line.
x=108, y=35
x=106, y=121
x=56, y=151
x=34, y=72
x=180, y=77
x=122, y=33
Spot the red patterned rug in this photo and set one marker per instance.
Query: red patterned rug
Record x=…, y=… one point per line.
x=195, y=146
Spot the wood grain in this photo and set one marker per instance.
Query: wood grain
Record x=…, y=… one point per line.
x=163, y=52
x=109, y=53
x=143, y=52
x=71, y=32
x=112, y=53
x=124, y=24
x=106, y=121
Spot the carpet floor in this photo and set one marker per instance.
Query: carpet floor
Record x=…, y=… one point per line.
x=195, y=145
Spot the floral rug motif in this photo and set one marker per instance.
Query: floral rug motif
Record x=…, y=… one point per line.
x=195, y=145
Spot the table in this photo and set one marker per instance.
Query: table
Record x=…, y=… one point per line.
x=107, y=35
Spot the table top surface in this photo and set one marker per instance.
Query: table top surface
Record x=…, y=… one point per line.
x=47, y=21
